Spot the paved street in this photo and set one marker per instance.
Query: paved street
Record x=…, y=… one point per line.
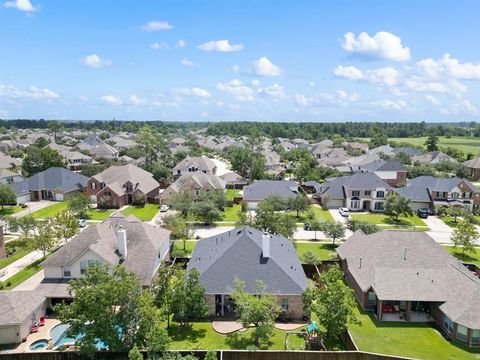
x=18, y=265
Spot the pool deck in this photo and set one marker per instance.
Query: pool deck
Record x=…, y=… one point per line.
x=43, y=333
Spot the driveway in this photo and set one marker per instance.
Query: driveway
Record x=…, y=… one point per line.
x=33, y=206
x=221, y=167
x=337, y=217
x=437, y=225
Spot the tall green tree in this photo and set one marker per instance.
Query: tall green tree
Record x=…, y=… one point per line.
x=364, y=226
x=206, y=211
x=397, y=206
x=7, y=195
x=180, y=227
x=334, y=231
x=378, y=137
x=37, y=160
x=25, y=226
x=332, y=302
x=298, y=203
x=43, y=238
x=259, y=309
x=465, y=235
x=455, y=212
x=79, y=204
x=432, y=142
x=54, y=127
x=182, y=202
x=65, y=225
x=189, y=297
x=163, y=289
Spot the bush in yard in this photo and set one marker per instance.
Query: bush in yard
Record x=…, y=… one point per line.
x=365, y=227
x=7, y=195
x=139, y=199
x=104, y=202
x=135, y=354
x=309, y=257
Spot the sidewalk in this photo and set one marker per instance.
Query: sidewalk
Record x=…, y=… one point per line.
x=17, y=266
x=33, y=206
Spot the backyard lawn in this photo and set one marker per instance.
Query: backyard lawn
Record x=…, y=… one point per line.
x=10, y=210
x=469, y=257
x=189, y=246
x=145, y=213
x=323, y=251
x=50, y=211
x=232, y=193
x=382, y=220
x=416, y=340
x=230, y=214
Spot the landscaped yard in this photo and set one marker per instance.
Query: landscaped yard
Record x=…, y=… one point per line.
x=323, y=251
x=416, y=340
x=469, y=257
x=450, y=220
x=189, y=246
x=233, y=193
x=10, y=210
x=385, y=220
x=8, y=260
x=50, y=211
x=23, y=275
x=98, y=214
x=145, y=213
x=321, y=215
x=230, y=214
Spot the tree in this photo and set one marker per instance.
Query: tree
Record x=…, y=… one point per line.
x=54, y=127
x=163, y=291
x=148, y=139
x=364, y=226
x=65, y=225
x=179, y=226
x=135, y=354
x=309, y=257
x=432, y=143
x=259, y=309
x=160, y=172
x=378, y=137
x=107, y=307
x=182, y=202
x=272, y=203
x=189, y=297
x=465, y=235
x=298, y=203
x=25, y=226
x=37, y=160
x=206, y=211
x=42, y=238
x=79, y=204
x=7, y=195
x=334, y=231
x=333, y=302
x=455, y=211
x=397, y=206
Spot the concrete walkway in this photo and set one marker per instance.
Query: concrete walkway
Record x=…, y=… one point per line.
x=10, y=270
x=437, y=225
x=32, y=282
x=33, y=206
x=337, y=217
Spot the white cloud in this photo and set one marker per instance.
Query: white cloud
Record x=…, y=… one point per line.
x=22, y=5
x=448, y=66
x=156, y=25
x=236, y=68
x=390, y=104
x=181, y=44
x=311, y=83
x=194, y=91
x=135, y=100
x=33, y=92
x=274, y=90
x=238, y=89
x=383, y=45
x=159, y=45
x=385, y=76
x=189, y=63
x=432, y=100
x=220, y=46
x=95, y=61
x=301, y=99
x=421, y=85
x=111, y=100
x=465, y=107
x=264, y=67
x=348, y=72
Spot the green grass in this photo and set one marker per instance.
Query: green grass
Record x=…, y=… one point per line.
x=321, y=215
x=323, y=251
x=409, y=339
x=232, y=193
x=469, y=257
x=381, y=219
x=98, y=214
x=189, y=246
x=23, y=275
x=50, y=211
x=145, y=213
x=231, y=213
x=450, y=220
x=10, y=210
x=7, y=261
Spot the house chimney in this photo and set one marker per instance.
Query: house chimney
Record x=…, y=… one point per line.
x=122, y=241
x=266, y=245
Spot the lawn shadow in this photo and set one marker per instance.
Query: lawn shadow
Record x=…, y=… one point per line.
x=7, y=211
x=179, y=332
x=241, y=341
x=464, y=257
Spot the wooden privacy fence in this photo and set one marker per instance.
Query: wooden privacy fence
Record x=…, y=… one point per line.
x=221, y=355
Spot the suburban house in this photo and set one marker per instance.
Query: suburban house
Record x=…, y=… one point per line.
x=407, y=150
x=55, y=183
x=355, y=163
x=406, y=275
x=428, y=192
x=122, y=143
x=432, y=157
x=260, y=189
x=10, y=177
x=104, y=151
x=268, y=258
x=234, y=180
x=362, y=191
x=390, y=171
x=194, y=164
x=193, y=183
x=118, y=186
x=76, y=159
x=355, y=145
x=8, y=162
x=473, y=167
x=137, y=245
x=383, y=149
x=273, y=164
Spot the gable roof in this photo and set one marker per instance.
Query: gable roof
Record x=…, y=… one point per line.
x=115, y=178
x=143, y=244
x=203, y=163
x=384, y=165
x=260, y=189
x=203, y=180
x=384, y=149
x=16, y=306
x=336, y=188
x=431, y=157
x=237, y=254
x=473, y=163
x=51, y=179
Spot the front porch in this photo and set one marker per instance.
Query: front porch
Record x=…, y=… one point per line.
x=412, y=311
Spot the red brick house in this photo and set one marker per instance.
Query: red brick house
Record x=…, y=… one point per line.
x=118, y=186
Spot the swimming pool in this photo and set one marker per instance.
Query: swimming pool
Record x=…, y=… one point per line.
x=59, y=337
x=39, y=345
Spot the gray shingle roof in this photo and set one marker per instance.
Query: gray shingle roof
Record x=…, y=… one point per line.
x=473, y=163
x=237, y=254
x=260, y=189
x=116, y=176
x=335, y=188
x=51, y=179
x=411, y=266
x=203, y=163
x=16, y=306
x=384, y=165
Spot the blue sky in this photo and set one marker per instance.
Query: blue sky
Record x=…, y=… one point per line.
x=265, y=60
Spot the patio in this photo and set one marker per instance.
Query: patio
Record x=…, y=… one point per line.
x=43, y=333
x=415, y=316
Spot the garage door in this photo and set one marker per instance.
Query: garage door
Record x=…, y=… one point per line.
x=58, y=197
x=8, y=334
x=22, y=199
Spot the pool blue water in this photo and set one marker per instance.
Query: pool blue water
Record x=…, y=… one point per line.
x=59, y=337
x=39, y=344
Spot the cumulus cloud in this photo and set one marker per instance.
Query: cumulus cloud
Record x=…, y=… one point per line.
x=337, y=98
x=448, y=66
x=274, y=90
x=156, y=26
x=348, y=72
x=111, y=99
x=95, y=61
x=189, y=63
x=32, y=93
x=390, y=104
x=194, y=91
x=220, y=46
x=22, y=5
x=432, y=100
x=159, y=45
x=383, y=45
x=181, y=44
x=264, y=67
x=135, y=100
x=465, y=107
x=237, y=89
x=382, y=76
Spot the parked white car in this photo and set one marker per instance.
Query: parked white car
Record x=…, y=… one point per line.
x=344, y=212
x=164, y=208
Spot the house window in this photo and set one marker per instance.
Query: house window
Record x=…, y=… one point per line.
x=178, y=172
x=355, y=204
x=355, y=193
x=380, y=194
x=455, y=195
x=378, y=206
x=66, y=271
x=93, y=185
x=367, y=192
x=445, y=194
x=448, y=324
x=284, y=304
x=462, y=332
x=476, y=336
x=372, y=298
x=467, y=195
x=84, y=264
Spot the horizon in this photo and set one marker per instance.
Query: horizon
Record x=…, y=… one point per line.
x=273, y=61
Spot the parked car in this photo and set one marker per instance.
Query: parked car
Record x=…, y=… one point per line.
x=423, y=213
x=164, y=208
x=344, y=212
